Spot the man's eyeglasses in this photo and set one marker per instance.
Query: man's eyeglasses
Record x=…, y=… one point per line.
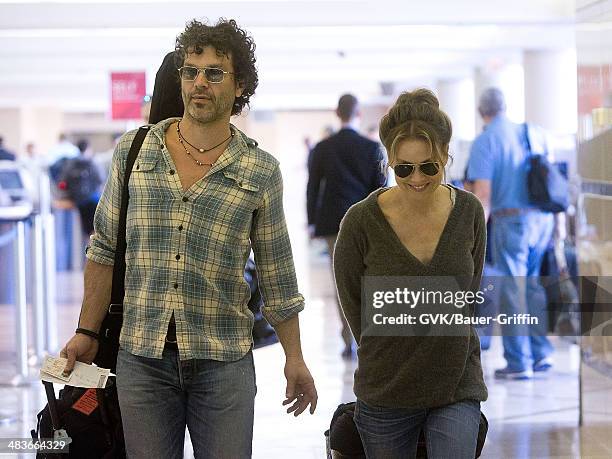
x=212, y=75
x=406, y=169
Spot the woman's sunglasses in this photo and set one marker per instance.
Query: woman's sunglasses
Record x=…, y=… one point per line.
x=406, y=169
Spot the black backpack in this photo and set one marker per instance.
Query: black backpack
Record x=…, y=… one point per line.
x=91, y=419
x=546, y=186
x=79, y=179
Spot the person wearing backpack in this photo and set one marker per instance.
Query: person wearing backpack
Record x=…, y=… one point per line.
x=80, y=182
x=498, y=166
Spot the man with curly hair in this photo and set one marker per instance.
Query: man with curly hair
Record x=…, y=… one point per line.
x=202, y=196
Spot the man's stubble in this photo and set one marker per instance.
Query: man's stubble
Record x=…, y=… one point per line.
x=216, y=108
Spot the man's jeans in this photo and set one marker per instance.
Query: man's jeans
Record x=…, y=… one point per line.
x=450, y=431
x=518, y=244
x=159, y=397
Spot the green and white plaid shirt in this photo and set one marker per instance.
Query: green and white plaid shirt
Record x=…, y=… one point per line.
x=186, y=250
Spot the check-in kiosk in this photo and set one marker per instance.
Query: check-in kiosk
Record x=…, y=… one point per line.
x=26, y=223
x=15, y=209
x=16, y=200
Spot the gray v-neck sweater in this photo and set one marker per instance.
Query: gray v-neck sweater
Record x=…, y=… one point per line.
x=414, y=371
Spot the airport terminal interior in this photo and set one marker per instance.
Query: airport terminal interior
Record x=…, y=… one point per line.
x=78, y=74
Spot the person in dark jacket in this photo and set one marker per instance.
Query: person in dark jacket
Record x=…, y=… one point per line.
x=5, y=155
x=343, y=169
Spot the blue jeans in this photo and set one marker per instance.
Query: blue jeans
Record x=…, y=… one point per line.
x=518, y=244
x=159, y=397
x=392, y=433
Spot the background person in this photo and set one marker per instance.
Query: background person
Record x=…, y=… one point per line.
x=81, y=182
x=342, y=170
x=420, y=227
x=63, y=149
x=520, y=234
x=5, y=155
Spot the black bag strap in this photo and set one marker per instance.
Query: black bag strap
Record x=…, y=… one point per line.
x=111, y=325
x=118, y=291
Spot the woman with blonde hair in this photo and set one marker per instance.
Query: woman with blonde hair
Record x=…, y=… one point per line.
x=420, y=228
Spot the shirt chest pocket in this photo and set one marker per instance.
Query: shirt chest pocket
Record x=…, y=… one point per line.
x=242, y=189
x=148, y=182
x=238, y=197
x=145, y=164
x=245, y=183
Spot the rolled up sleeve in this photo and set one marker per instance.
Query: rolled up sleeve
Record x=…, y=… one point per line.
x=273, y=256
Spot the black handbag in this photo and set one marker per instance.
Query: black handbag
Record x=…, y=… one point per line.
x=91, y=418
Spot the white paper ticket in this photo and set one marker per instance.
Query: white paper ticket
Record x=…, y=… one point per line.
x=83, y=375
x=54, y=366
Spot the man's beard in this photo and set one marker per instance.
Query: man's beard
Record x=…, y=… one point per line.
x=216, y=108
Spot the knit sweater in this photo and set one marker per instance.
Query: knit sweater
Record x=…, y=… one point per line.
x=411, y=371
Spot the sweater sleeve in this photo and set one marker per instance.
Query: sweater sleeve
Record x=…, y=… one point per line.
x=349, y=267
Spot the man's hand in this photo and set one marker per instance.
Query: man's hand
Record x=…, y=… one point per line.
x=80, y=347
x=301, y=390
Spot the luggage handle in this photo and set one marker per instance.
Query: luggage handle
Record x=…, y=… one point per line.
x=52, y=403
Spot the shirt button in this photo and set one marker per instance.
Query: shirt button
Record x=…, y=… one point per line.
x=175, y=285
x=137, y=166
x=178, y=257
x=171, y=171
x=185, y=199
x=180, y=228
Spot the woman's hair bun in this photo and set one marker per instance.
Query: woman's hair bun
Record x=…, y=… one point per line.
x=417, y=97
x=421, y=107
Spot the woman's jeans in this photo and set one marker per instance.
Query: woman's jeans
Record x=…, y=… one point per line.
x=159, y=397
x=392, y=433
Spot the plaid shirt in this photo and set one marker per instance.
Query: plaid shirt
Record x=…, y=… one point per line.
x=186, y=250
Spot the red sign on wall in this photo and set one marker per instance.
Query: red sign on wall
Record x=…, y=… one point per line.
x=127, y=92
x=594, y=84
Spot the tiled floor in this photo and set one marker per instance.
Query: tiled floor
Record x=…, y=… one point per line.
x=532, y=419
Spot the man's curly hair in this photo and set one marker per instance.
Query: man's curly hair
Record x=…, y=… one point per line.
x=230, y=40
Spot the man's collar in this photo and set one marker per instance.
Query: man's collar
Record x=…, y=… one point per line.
x=353, y=125
x=239, y=144
x=495, y=120
x=242, y=140
x=498, y=118
x=160, y=128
